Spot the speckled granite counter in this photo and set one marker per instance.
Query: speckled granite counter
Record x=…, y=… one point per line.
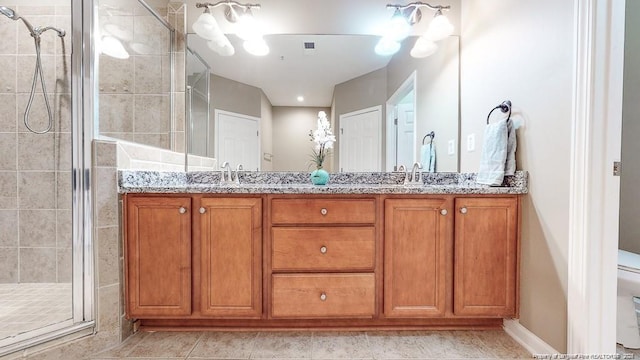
x=298, y=183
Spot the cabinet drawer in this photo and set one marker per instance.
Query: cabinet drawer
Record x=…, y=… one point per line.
x=323, y=249
x=323, y=295
x=323, y=211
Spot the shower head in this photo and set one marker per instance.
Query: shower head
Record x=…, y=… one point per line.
x=9, y=13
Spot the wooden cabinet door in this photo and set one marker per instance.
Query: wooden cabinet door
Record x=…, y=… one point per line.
x=231, y=257
x=158, y=256
x=417, y=236
x=485, y=273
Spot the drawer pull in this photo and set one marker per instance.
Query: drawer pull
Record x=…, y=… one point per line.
x=182, y=210
x=323, y=211
x=444, y=212
x=323, y=250
x=323, y=297
x=463, y=210
x=203, y=210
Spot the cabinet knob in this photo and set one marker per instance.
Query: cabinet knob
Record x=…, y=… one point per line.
x=443, y=212
x=183, y=210
x=323, y=211
x=323, y=297
x=463, y=210
x=323, y=249
x=203, y=210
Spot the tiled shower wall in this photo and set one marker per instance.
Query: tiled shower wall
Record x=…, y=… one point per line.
x=134, y=93
x=35, y=170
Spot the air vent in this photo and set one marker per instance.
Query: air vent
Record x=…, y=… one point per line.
x=309, y=45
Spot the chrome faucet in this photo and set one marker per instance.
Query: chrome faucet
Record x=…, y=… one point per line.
x=223, y=179
x=415, y=174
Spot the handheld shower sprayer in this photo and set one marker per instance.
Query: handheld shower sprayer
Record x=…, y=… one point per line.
x=36, y=32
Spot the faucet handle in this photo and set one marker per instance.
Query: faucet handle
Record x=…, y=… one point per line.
x=238, y=169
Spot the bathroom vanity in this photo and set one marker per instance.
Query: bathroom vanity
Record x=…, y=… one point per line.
x=289, y=255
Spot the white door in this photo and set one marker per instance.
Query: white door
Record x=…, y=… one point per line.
x=360, y=140
x=406, y=135
x=237, y=140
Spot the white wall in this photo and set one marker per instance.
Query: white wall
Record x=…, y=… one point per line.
x=292, y=146
x=523, y=51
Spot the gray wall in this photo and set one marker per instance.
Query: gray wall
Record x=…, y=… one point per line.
x=237, y=97
x=527, y=57
x=629, y=194
x=436, y=95
x=292, y=146
x=360, y=93
x=266, y=131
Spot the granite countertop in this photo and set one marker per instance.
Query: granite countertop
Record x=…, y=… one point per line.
x=253, y=182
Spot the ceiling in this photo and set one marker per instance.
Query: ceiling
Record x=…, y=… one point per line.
x=288, y=70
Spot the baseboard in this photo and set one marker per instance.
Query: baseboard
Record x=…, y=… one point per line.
x=527, y=339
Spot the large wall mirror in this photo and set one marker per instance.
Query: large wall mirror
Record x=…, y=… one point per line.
x=321, y=58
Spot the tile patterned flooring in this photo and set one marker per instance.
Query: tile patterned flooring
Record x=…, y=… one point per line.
x=25, y=307
x=491, y=344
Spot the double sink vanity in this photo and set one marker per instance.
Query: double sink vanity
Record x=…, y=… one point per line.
x=365, y=251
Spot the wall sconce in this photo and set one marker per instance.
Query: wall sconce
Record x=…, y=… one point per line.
x=399, y=27
x=246, y=28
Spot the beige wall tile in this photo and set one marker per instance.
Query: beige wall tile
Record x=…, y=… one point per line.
x=152, y=114
x=179, y=111
x=63, y=151
x=8, y=149
x=116, y=113
x=116, y=75
x=105, y=153
x=36, y=190
x=65, y=265
x=108, y=312
x=148, y=74
x=26, y=65
x=9, y=265
x=37, y=228
x=157, y=140
x=9, y=226
x=179, y=72
x=8, y=189
x=38, y=265
x=63, y=72
x=38, y=116
x=108, y=259
x=62, y=44
x=26, y=44
x=8, y=75
x=36, y=151
x=8, y=110
x=147, y=30
x=9, y=36
x=63, y=190
x=35, y=10
x=64, y=229
x=118, y=135
x=105, y=185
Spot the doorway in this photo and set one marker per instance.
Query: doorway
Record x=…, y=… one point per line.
x=361, y=140
x=401, y=125
x=237, y=139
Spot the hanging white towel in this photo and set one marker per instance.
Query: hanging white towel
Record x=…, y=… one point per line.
x=498, y=153
x=428, y=157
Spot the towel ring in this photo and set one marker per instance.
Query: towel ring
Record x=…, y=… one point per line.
x=505, y=107
x=432, y=135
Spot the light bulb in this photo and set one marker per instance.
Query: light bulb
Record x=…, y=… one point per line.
x=257, y=47
x=206, y=26
x=387, y=46
x=247, y=27
x=113, y=47
x=439, y=28
x=398, y=28
x=423, y=48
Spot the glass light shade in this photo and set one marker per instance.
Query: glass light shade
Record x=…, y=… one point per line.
x=398, y=28
x=207, y=27
x=423, y=48
x=223, y=46
x=257, y=47
x=387, y=46
x=247, y=27
x=439, y=28
x=111, y=46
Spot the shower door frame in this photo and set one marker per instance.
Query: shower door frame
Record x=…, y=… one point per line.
x=82, y=322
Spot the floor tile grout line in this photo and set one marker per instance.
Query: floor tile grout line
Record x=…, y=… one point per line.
x=194, y=345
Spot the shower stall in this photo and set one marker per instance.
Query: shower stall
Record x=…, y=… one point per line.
x=45, y=266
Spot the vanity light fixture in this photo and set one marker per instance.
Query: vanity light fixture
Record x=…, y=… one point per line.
x=399, y=27
x=300, y=98
x=246, y=28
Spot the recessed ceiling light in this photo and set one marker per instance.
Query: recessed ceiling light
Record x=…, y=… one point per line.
x=300, y=98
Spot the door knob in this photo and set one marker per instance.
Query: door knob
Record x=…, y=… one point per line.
x=443, y=212
x=323, y=249
x=203, y=210
x=323, y=211
x=323, y=297
x=463, y=210
x=182, y=210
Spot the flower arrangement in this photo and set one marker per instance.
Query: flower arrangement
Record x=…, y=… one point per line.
x=323, y=138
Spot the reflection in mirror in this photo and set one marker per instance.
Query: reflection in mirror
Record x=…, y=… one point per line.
x=135, y=70
x=197, y=104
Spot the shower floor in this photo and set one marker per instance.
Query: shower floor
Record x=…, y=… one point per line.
x=26, y=307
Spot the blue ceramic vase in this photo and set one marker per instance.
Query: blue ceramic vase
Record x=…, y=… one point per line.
x=319, y=177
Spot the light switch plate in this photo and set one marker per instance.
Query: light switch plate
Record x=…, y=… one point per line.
x=451, y=147
x=471, y=142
